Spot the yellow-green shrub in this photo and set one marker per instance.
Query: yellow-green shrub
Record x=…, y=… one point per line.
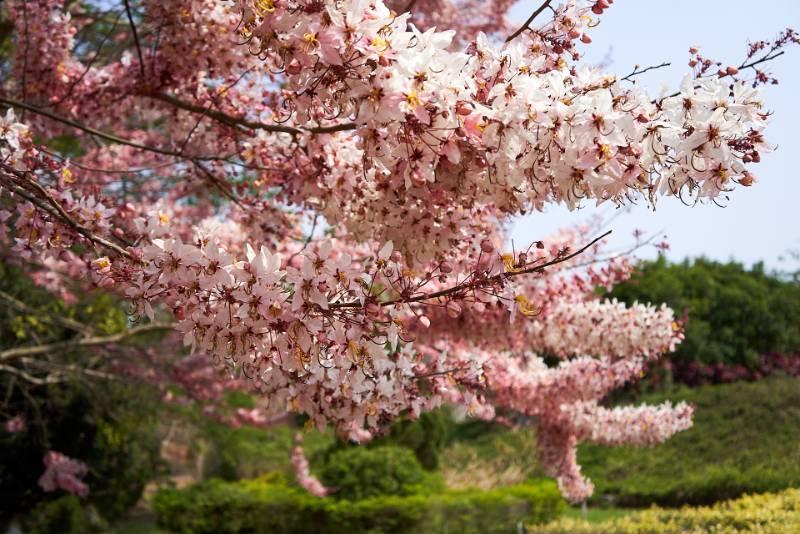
x=767, y=513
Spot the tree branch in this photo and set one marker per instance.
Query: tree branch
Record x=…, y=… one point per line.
x=19, y=352
x=636, y=70
x=135, y=37
x=483, y=283
x=52, y=319
x=524, y=27
x=230, y=120
x=103, y=135
x=57, y=210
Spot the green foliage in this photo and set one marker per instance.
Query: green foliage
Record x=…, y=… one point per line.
x=769, y=513
x=102, y=311
x=745, y=438
x=265, y=507
x=356, y=473
x=734, y=314
x=426, y=436
x=64, y=515
x=112, y=428
x=248, y=452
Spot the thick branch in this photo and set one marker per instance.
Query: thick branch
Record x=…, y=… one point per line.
x=19, y=352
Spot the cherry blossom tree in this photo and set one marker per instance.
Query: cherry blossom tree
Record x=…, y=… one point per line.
x=313, y=195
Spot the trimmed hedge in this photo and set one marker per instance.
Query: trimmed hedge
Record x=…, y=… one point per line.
x=259, y=506
x=776, y=513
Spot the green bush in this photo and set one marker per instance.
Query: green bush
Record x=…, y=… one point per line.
x=259, y=506
x=734, y=314
x=360, y=472
x=427, y=436
x=64, y=515
x=745, y=439
x=248, y=452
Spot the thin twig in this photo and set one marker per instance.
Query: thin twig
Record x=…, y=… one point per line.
x=103, y=135
x=135, y=38
x=52, y=319
x=485, y=282
x=524, y=27
x=254, y=125
x=637, y=71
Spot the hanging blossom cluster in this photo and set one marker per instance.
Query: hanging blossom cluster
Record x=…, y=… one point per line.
x=314, y=194
x=303, y=470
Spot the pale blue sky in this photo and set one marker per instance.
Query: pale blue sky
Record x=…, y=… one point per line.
x=759, y=223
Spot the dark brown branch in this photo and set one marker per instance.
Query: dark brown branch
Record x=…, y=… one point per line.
x=19, y=352
x=636, y=70
x=103, y=135
x=232, y=121
x=135, y=37
x=57, y=210
x=482, y=283
x=524, y=27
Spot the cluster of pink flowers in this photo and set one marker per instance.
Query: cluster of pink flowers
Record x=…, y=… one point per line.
x=227, y=125
x=16, y=424
x=63, y=473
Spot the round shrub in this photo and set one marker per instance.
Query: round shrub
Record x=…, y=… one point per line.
x=360, y=472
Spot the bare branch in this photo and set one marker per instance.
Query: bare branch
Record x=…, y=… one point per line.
x=103, y=135
x=19, y=352
x=135, y=37
x=483, y=283
x=527, y=23
x=636, y=70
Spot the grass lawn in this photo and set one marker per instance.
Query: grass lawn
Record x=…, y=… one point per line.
x=745, y=439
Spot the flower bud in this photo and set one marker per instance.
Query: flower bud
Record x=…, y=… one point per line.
x=732, y=71
x=418, y=179
x=747, y=180
x=487, y=246
x=585, y=39
x=294, y=67
x=446, y=267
